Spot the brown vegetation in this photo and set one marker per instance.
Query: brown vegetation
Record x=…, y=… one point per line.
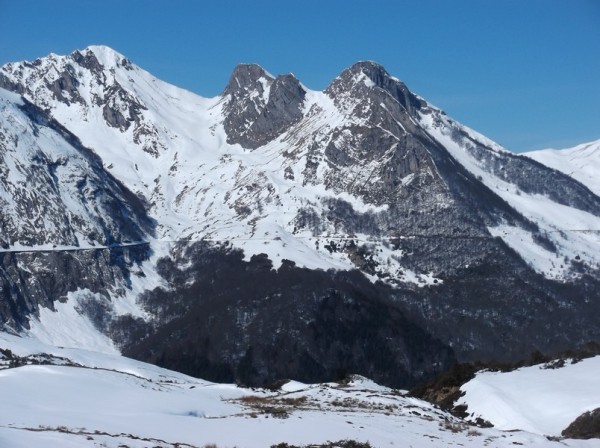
x=586, y=426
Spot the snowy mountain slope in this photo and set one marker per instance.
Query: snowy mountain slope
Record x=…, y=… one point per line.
x=104, y=400
x=538, y=399
x=185, y=156
x=53, y=192
x=60, y=213
x=366, y=200
x=182, y=166
x=581, y=162
x=564, y=213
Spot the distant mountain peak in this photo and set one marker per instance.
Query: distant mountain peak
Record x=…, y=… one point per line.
x=247, y=77
x=96, y=57
x=373, y=70
x=261, y=106
x=103, y=50
x=369, y=74
x=580, y=162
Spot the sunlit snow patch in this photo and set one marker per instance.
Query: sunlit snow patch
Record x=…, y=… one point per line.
x=536, y=399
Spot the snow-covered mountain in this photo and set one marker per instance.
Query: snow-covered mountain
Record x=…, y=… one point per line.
x=288, y=232
x=581, y=162
x=54, y=190
x=254, y=165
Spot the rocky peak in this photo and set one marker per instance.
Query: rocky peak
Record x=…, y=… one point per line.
x=260, y=107
x=363, y=77
x=94, y=81
x=88, y=60
x=287, y=89
x=374, y=71
x=286, y=98
x=247, y=78
x=61, y=75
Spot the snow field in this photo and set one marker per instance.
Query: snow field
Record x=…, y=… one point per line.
x=535, y=399
x=581, y=162
x=113, y=400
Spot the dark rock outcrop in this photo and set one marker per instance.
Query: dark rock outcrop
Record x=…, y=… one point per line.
x=586, y=426
x=260, y=107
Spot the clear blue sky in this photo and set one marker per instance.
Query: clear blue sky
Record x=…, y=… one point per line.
x=526, y=73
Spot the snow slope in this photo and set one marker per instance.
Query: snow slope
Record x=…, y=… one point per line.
x=573, y=232
x=52, y=194
x=170, y=147
x=536, y=399
x=581, y=162
x=107, y=400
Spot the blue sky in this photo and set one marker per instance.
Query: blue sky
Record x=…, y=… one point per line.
x=526, y=73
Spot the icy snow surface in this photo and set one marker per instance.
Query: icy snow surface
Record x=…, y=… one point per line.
x=67, y=327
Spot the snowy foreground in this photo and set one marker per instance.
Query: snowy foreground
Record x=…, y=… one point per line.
x=112, y=401
x=539, y=399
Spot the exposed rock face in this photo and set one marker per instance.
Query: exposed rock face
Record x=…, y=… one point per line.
x=586, y=426
x=81, y=79
x=51, y=275
x=368, y=232
x=260, y=107
x=367, y=74
x=56, y=197
x=56, y=191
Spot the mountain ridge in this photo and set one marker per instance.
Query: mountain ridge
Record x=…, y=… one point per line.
x=364, y=178
x=580, y=162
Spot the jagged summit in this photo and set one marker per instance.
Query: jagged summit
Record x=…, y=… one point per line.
x=372, y=69
x=369, y=74
x=248, y=77
x=102, y=52
x=259, y=106
x=251, y=80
